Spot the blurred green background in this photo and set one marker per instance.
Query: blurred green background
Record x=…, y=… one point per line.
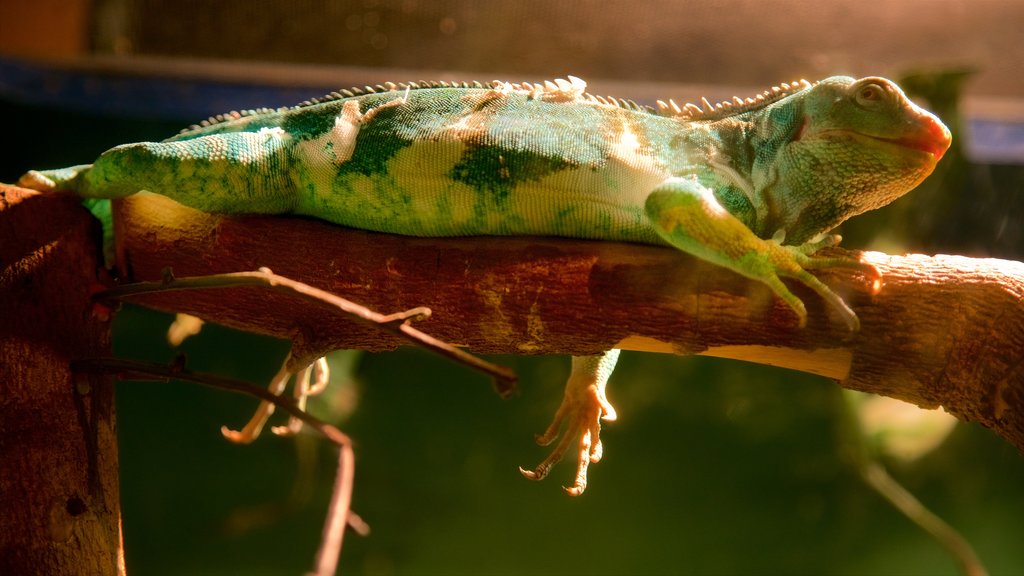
x=713, y=467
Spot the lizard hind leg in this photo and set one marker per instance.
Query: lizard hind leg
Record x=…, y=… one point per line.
x=309, y=381
x=302, y=390
x=583, y=407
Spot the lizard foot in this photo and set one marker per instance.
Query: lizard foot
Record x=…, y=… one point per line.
x=804, y=256
x=795, y=261
x=583, y=407
x=305, y=386
x=811, y=262
x=829, y=240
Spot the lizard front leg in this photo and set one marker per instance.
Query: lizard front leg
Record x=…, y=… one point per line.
x=687, y=215
x=583, y=407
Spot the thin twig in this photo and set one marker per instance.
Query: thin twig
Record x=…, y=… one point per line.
x=397, y=324
x=338, y=513
x=865, y=459
x=879, y=479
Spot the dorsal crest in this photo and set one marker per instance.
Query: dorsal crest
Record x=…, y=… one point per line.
x=568, y=90
x=726, y=108
x=337, y=95
x=571, y=90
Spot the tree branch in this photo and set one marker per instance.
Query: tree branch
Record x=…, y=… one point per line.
x=943, y=330
x=58, y=444
x=397, y=324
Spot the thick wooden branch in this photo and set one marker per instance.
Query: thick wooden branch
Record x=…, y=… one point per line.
x=58, y=445
x=942, y=330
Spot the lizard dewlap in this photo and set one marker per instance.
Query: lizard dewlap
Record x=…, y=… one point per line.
x=750, y=184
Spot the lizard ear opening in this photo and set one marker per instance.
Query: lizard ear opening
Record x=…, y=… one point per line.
x=799, y=134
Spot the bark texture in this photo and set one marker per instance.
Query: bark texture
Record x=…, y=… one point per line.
x=58, y=448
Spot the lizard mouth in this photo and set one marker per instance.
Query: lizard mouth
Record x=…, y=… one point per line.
x=928, y=136
x=931, y=145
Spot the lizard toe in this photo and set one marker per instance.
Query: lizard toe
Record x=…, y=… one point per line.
x=583, y=407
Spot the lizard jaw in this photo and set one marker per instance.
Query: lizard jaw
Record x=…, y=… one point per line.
x=929, y=135
x=924, y=133
x=922, y=141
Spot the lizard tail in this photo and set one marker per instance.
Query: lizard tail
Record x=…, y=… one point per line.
x=63, y=179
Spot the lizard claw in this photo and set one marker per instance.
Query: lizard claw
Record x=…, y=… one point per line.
x=809, y=261
x=583, y=407
x=804, y=259
x=874, y=274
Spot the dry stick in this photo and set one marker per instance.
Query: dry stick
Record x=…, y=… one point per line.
x=864, y=458
x=882, y=482
x=338, y=513
x=397, y=324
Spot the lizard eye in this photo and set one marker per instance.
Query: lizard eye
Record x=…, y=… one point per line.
x=870, y=95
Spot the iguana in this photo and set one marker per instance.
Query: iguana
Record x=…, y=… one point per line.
x=751, y=184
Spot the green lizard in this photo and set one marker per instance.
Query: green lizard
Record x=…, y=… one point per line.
x=752, y=185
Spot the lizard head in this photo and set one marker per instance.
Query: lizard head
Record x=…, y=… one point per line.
x=853, y=146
